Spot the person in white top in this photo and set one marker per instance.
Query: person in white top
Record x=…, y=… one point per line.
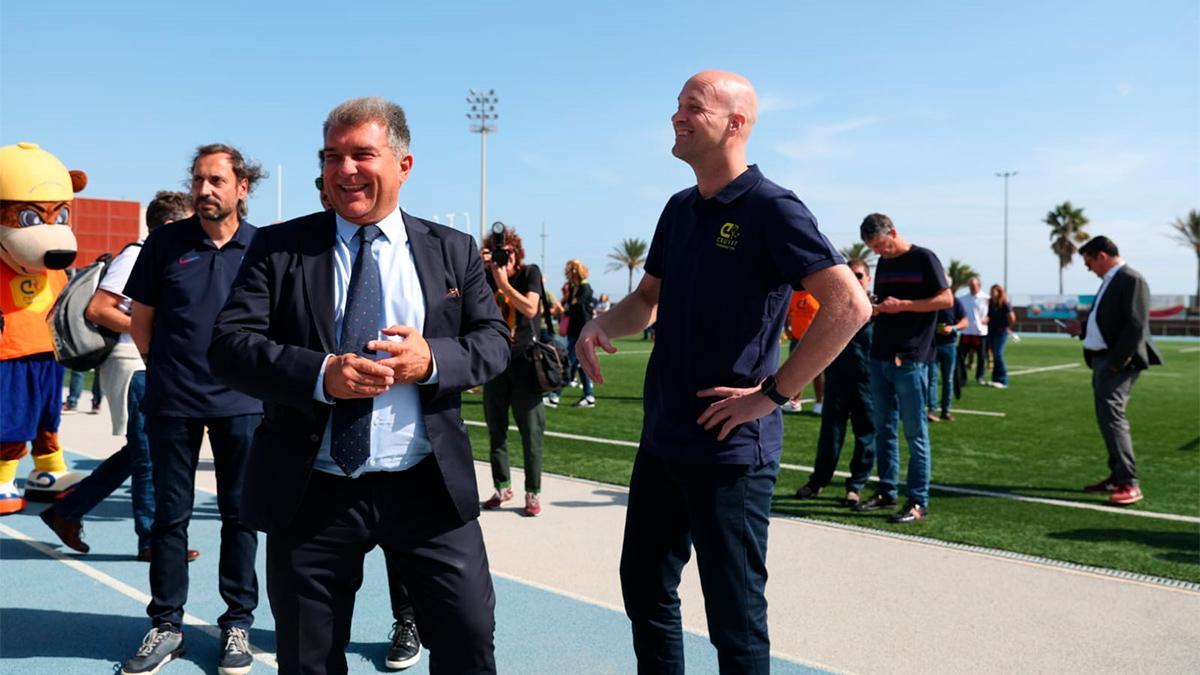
x=972, y=340
x=122, y=375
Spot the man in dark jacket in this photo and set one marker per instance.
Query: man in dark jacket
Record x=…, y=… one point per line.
x=847, y=395
x=1117, y=347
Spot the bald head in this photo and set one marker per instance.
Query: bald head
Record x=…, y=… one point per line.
x=732, y=91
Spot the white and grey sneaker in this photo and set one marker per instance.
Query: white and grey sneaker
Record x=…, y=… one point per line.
x=586, y=402
x=236, y=658
x=161, y=645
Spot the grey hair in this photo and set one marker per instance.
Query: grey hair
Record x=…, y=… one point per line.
x=367, y=109
x=874, y=225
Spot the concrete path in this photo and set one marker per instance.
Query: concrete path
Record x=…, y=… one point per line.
x=846, y=600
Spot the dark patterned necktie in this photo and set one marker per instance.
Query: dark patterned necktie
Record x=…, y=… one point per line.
x=350, y=442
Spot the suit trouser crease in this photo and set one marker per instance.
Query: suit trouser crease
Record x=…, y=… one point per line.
x=175, y=451
x=1111, y=390
x=316, y=566
x=723, y=510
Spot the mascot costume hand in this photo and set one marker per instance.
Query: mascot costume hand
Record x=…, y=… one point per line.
x=36, y=245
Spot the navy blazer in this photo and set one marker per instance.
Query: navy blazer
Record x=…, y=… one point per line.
x=1123, y=317
x=274, y=332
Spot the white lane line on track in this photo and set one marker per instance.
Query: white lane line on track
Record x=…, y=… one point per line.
x=1034, y=500
x=125, y=589
x=1045, y=369
x=621, y=610
x=1155, y=515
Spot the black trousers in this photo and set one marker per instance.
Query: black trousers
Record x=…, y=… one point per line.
x=315, y=568
x=175, y=453
x=722, y=510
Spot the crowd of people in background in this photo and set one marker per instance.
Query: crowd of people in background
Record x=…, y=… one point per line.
x=362, y=422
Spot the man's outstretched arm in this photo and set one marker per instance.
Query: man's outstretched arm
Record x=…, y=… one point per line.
x=631, y=315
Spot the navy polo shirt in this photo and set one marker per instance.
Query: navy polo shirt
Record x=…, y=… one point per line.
x=186, y=279
x=727, y=266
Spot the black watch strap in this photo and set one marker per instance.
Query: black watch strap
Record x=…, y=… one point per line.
x=769, y=390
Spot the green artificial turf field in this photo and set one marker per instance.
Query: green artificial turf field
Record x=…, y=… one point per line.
x=1046, y=446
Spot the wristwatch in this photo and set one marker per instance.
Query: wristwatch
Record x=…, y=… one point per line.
x=769, y=390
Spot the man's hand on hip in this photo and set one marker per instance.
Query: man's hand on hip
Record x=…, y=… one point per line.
x=591, y=337
x=410, y=360
x=352, y=376
x=736, y=407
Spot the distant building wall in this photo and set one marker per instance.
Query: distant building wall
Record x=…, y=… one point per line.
x=104, y=226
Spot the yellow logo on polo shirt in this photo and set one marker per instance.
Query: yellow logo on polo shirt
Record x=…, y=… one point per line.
x=31, y=292
x=727, y=238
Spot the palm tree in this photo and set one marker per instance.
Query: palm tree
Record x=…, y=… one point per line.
x=1187, y=232
x=1066, y=230
x=960, y=273
x=631, y=254
x=858, y=251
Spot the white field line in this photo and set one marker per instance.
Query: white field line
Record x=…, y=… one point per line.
x=1034, y=500
x=1189, y=350
x=623, y=352
x=125, y=589
x=933, y=486
x=985, y=413
x=1029, y=371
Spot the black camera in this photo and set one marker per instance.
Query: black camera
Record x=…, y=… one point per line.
x=499, y=255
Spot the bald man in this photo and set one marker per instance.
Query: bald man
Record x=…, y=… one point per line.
x=725, y=257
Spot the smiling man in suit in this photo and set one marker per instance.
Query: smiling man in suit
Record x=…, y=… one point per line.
x=362, y=443
x=1117, y=347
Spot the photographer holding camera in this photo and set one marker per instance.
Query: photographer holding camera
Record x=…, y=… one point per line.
x=517, y=289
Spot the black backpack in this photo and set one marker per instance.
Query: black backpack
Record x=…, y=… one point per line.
x=80, y=344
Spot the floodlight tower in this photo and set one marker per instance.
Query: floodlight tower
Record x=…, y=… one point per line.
x=483, y=115
x=1006, y=175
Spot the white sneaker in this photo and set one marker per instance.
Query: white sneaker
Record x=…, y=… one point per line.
x=792, y=407
x=550, y=402
x=999, y=385
x=586, y=402
x=817, y=408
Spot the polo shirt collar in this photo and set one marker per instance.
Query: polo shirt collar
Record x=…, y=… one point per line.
x=740, y=185
x=242, y=237
x=392, y=227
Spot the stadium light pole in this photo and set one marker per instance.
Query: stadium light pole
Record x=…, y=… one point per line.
x=1006, y=175
x=483, y=115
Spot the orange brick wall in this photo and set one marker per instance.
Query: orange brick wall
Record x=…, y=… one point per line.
x=103, y=226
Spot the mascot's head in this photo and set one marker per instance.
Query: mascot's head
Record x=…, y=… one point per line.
x=36, y=191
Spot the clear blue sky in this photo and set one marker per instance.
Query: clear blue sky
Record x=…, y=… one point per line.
x=904, y=108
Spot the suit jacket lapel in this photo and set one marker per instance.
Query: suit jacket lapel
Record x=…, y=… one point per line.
x=431, y=270
x=316, y=259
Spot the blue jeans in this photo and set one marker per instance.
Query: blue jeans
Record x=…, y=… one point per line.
x=133, y=460
x=574, y=361
x=941, y=370
x=845, y=398
x=997, y=339
x=75, y=389
x=722, y=510
x=899, y=393
x=175, y=449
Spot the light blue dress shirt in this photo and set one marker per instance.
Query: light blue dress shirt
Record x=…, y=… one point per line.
x=398, y=436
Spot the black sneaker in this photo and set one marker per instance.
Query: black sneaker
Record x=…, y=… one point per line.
x=876, y=502
x=161, y=645
x=911, y=513
x=405, y=649
x=807, y=491
x=236, y=658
